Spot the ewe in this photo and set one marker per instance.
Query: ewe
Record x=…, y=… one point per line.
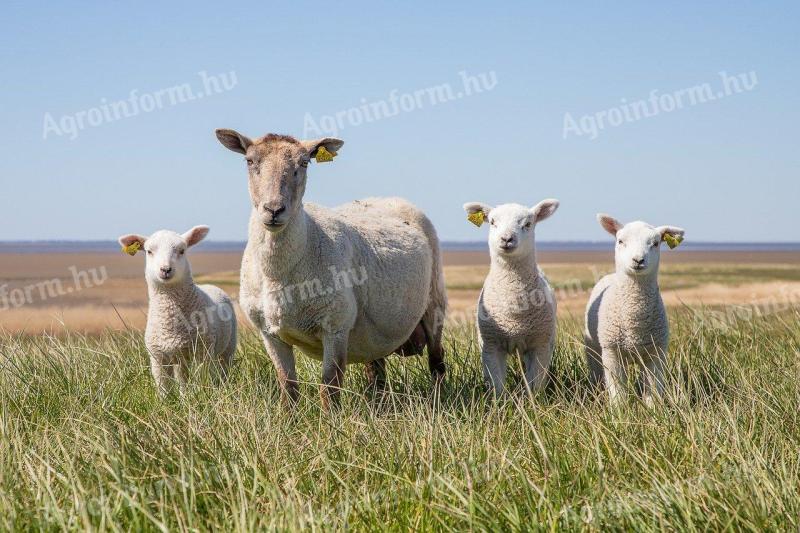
x=185, y=322
x=517, y=307
x=626, y=322
x=350, y=284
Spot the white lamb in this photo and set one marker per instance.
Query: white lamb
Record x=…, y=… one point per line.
x=517, y=307
x=185, y=322
x=346, y=285
x=626, y=323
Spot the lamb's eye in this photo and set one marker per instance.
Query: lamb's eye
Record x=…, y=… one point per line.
x=655, y=244
x=491, y=222
x=149, y=252
x=620, y=242
x=181, y=252
x=527, y=225
x=249, y=162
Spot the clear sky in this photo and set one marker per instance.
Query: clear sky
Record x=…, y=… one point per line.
x=726, y=168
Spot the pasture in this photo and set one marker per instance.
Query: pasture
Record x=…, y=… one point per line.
x=85, y=443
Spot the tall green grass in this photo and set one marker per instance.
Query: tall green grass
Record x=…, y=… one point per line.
x=86, y=444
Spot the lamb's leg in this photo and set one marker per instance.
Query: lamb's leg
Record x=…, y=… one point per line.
x=334, y=359
x=376, y=375
x=595, y=361
x=494, y=368
x=537, y=363
x=653, y=381
x=181, y=371
x=615, y=374
x=161, y=376
x=283, y=361
x=433, y=324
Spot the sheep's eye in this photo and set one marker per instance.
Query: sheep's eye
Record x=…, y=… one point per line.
x=181, y=252
x=249, y=162
x=620, y=242
x=527, y=225
x=491, y=222
x=655, y=244
x=149, y=252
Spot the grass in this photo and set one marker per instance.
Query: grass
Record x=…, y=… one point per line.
x=86, y=444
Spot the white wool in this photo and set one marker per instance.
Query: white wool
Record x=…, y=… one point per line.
x=626, y=322
x=185, y=322
x=517, y=307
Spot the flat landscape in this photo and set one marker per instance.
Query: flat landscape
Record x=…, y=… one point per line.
x=86, y=444
x=109, y=291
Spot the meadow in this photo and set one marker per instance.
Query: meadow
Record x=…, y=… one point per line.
x=85, y=443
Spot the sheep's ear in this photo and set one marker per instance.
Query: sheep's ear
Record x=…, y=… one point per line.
x=609, y=223
x=127, y=240
x=477, y=213
x=195, y=235
x=673, y=231
x=132, y=243
x=330, y=144
x=544, y=210
x=233, y=140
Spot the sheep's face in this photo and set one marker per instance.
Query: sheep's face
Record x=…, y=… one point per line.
x=511, y=226
x=638, y=245
x=277, y=166
x=165, y=254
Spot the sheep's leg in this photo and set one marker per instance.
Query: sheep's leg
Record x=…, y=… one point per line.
x=283, y=360
x=494, y=368
x=161, y=376
x=376, y=375
x=537, y=362
x=181, y=371
x=615, y=374
x=653, y=379
x=433, y=324
x=334, y=359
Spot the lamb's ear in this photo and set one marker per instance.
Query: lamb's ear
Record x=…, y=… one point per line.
x=672, y=231
x=195, y=235
x=233, y=140
x=331, y=145
x=609, y=223
x=544, y=210
x=127, y=240
x=477, y=212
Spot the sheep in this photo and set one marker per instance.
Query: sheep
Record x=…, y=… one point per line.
x=516, y=307
x=185, y=322
x=626, y=323
x=351, y=284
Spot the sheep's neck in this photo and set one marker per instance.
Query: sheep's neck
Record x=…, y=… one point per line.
x=520, y=269
x=281, y=252
x=642, y=286
x=181, y=295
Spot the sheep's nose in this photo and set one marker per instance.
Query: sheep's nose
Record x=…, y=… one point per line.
x=273, y=210
x=166, y=269
x=507, y=239
x=638, y=261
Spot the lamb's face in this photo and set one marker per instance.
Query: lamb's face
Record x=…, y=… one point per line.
x=165, y=254
x=638, y=249
x=511, y=226
x=638, y=245
x=276, y=166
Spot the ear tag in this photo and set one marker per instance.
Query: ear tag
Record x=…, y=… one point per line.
x=476, y=218
x=323, y=156
x=132, y=248
x=672, y=241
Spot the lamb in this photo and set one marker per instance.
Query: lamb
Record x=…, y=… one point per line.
x=185, y=322
x=351, y=284
x=516, y=307
x=626, y=323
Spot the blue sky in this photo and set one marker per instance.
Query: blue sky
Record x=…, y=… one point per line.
x=725, y=169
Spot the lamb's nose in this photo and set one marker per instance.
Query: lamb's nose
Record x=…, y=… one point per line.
x=638, y=261
x=166, y=270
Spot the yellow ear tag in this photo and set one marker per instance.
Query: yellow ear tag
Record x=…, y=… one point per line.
x=132, y=248
x=476, y=218
x=671, y=241
x=323, y=156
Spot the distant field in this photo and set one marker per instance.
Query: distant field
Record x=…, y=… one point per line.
x=714, y=278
